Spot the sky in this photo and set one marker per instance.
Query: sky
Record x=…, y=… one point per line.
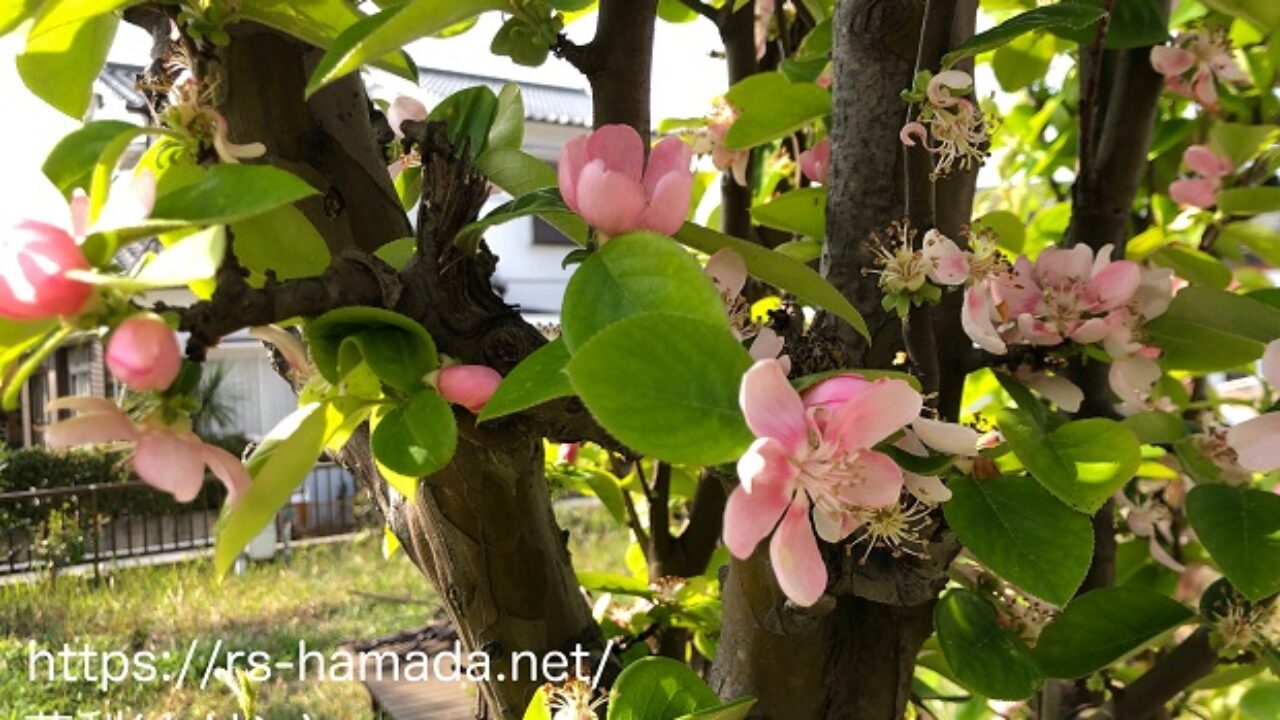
x=686, y=77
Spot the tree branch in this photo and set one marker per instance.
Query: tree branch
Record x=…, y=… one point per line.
x=1193, y=659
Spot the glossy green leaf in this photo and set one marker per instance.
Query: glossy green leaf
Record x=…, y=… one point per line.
x=633, y=274
x=278, y=465
x=1133, y=23
x=1102, y=626
x=984, y=655
x=1195, y=266
x=1054, y=18
x=736, y=710
x=615, y=583
x=778, y=270
x=320, y=22
x=66, y=49
x=1023, y=533
x=468, y=116
x=518, y=173
x=1081, y=462
x=1249, y=200
x=507, y=130
x=679, y=400
x=537, y=379
x=389, y=30
x=396, y=348
x=398, y=253
x=1206, y=329
x=1155, y=427
x=227, y=194
x=1240, y=527
x=658, y=688
x=282, y=241
x=770, y=107
x=539, y=202
x=418, y=438
x=1010, y=230
x=1023, y=61
x=70, y=164
x=802, y=211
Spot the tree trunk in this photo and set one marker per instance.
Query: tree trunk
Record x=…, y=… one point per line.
x=852, y=655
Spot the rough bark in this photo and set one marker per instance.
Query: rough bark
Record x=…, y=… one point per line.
x=508, y=585
x=852, y=655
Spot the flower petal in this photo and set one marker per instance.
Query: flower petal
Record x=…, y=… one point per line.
x=1269, y=365
x=766, y=462
x=1055, y=266
x=1197, y=192
x=89, y=429
x=1206, y=162
x=573, y=157
x=1115, y=283
x=749, y=517
x=1257, y=442
x=882, y=408
x=171, y=462
x=928, y=489
x=772, y=407
x=670, y=156
x=728, y=270
x=609, y=201
x=621, y=149
x=669, y=205
x=796, y=561
x=767, y=345
x=227, y=468
x=1058, y=390
x=945, y=437
x=975, y=318
x=881, y=484
x=950, y=264
x=1169, y=60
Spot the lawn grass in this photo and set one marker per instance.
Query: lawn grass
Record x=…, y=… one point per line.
x=326, y=595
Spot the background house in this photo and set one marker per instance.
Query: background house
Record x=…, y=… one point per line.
x=529, y=270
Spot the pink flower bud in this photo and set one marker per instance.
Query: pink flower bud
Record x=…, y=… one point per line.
x=143, y=353
x=470, y=386
x=568, y=453
x=34, y=259
x=603, y=178
x=816, y=161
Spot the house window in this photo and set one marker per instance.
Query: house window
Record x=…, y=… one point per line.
x=544, y=233
x=80, y=369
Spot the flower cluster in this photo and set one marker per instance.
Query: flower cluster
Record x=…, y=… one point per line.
x=604, y=178
x=1194, y=64
x=1202, y=190
x=728, y=271
x=190, y=110
x=817, y=453
x=710, y=141
x=956, y=124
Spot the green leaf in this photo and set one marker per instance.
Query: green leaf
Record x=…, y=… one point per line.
x=1133, y=23
x=518, y=173
x=283, y=241
x=778, y=270
x=538, y=708
x=802, y=211
x=16, y=12
x=408, y=184
x=398, y=253
x=1155, y=427
x=418, y=438
x=1054, y=18
x=1100, y=627
x=70, y=163
x=805, y=250
x=679, y=400
x=1010, y=230
x=319, y=22
x=1240, y=527
x=537, y=379
x=770, y=107
x=66, y=49
x=16, y=339
x=1238, y=141
x=615, y=583
x=636, y=273
x=226, y=194
x=1027, y=536
x=389, y=30
x=1023, y=61
x=1262, y=14
x=736, y=710
x=1082, y=462
x=658, y=688
x=277, y=466
x=468, y=116
x=984, y=656
x=539, y=202
x=396, y=348
x=1207, y=330
x=1249, y=200
x=194, y=258
x=507, y=130
x=1195, y=266
x=1261, y=702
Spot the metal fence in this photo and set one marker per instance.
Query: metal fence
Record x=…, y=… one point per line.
x=48, y=529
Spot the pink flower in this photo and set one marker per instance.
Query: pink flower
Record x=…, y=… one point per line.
x=402, y=109
x=604, y=179
x=1206, y=57
x=143, y=353
x=816, y=452
x=1257, y=441
x=816, y=161
x=470, y=386
x=733, y=161
x=171, y=459
x=949, y=265
x=34, y=260
x=764, y=20
x=1202, y=190
x=958, y=129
